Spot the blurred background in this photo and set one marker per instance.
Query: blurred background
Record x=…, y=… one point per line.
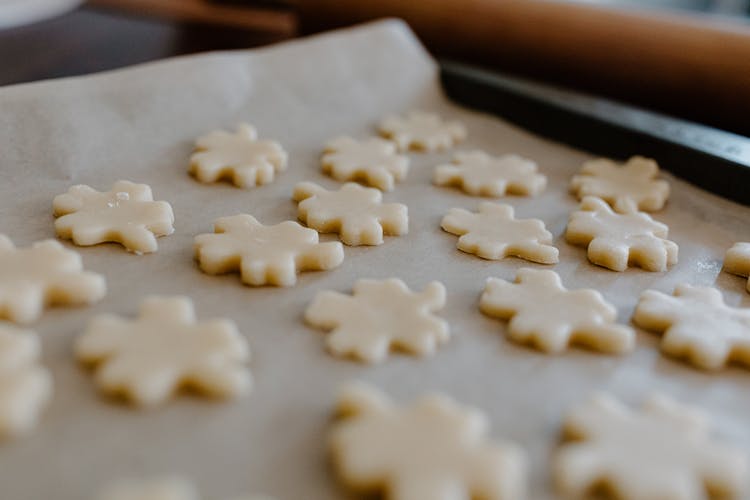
x=686, y=58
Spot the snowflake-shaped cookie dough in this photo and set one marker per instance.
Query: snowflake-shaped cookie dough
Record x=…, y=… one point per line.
x=635, y=181
x=494, y=234
x=737, y=261
x=46, y=273
x=163, y=350
x=240, y=158
x=164, y=488
x=420, y=131
x=126, y=214
x=374, y=162
x=264, y=255
x=697, y=325
x=25, y=386
x=662, y=451
x=433, y=449
x=550, y=317
x=357, y=213
x=480, y=174
x=380, y=315
x=615, y=240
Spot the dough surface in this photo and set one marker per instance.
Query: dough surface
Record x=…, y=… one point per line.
x=737, y=261
x=422, y=131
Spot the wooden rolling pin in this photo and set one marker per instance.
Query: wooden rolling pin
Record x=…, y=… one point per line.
x=688, y=65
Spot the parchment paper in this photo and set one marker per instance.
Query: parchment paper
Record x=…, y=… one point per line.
x=139, y=124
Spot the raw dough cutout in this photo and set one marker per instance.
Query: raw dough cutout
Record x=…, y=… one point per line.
x=433, y=449
x=46, y=273
x=420, y=131
x=25, y=386
x=697, y=325
x=163, y=350
x=167, y=488
x=615, y=240
x=545, y=314
x=480, y=174
x=239, y=158
x=264, y=255
x=357, y=213
x=126, y=214
x=380, y=315
x=662, y=451
x=737, y=261
x=635, y=181
x=374, y=162
x=494, y=234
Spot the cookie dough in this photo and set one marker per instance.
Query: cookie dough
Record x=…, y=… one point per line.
x=421, y=131
x=737, y=261
x=164, y=349
x=25, y=386
x=545, y=314
x=431, y=449
x=264, y=255
x=239, y=158
x=126, y=214
x=633, y=182
x=480, y=174
x=697, y=326
x=46, y=273
x=356, y=213
x=374, y=162
x=663, y=451
x=380, y=315
x=494, y=234
x=615, y=240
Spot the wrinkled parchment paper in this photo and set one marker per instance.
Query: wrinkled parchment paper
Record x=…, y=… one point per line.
x=139, y=124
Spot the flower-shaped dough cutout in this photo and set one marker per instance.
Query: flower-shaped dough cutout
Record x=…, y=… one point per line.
x=161, y=488
x=432, y=449
x=46, y=273
x=615, y=240
x=380, y=314
x=550, y=317
x=421, y=131
x=165, y=349
x=237, y=157
x=264, y=255
x=737, y=261
x=664, y=450
x=356, y=213
x=126, y=214
x=634, y=181
x=480, y=174
x=494, y=234
x=25, y=386
x=697, y=325
x=373, y=161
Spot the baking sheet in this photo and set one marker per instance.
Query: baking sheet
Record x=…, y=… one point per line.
x=139, y=124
